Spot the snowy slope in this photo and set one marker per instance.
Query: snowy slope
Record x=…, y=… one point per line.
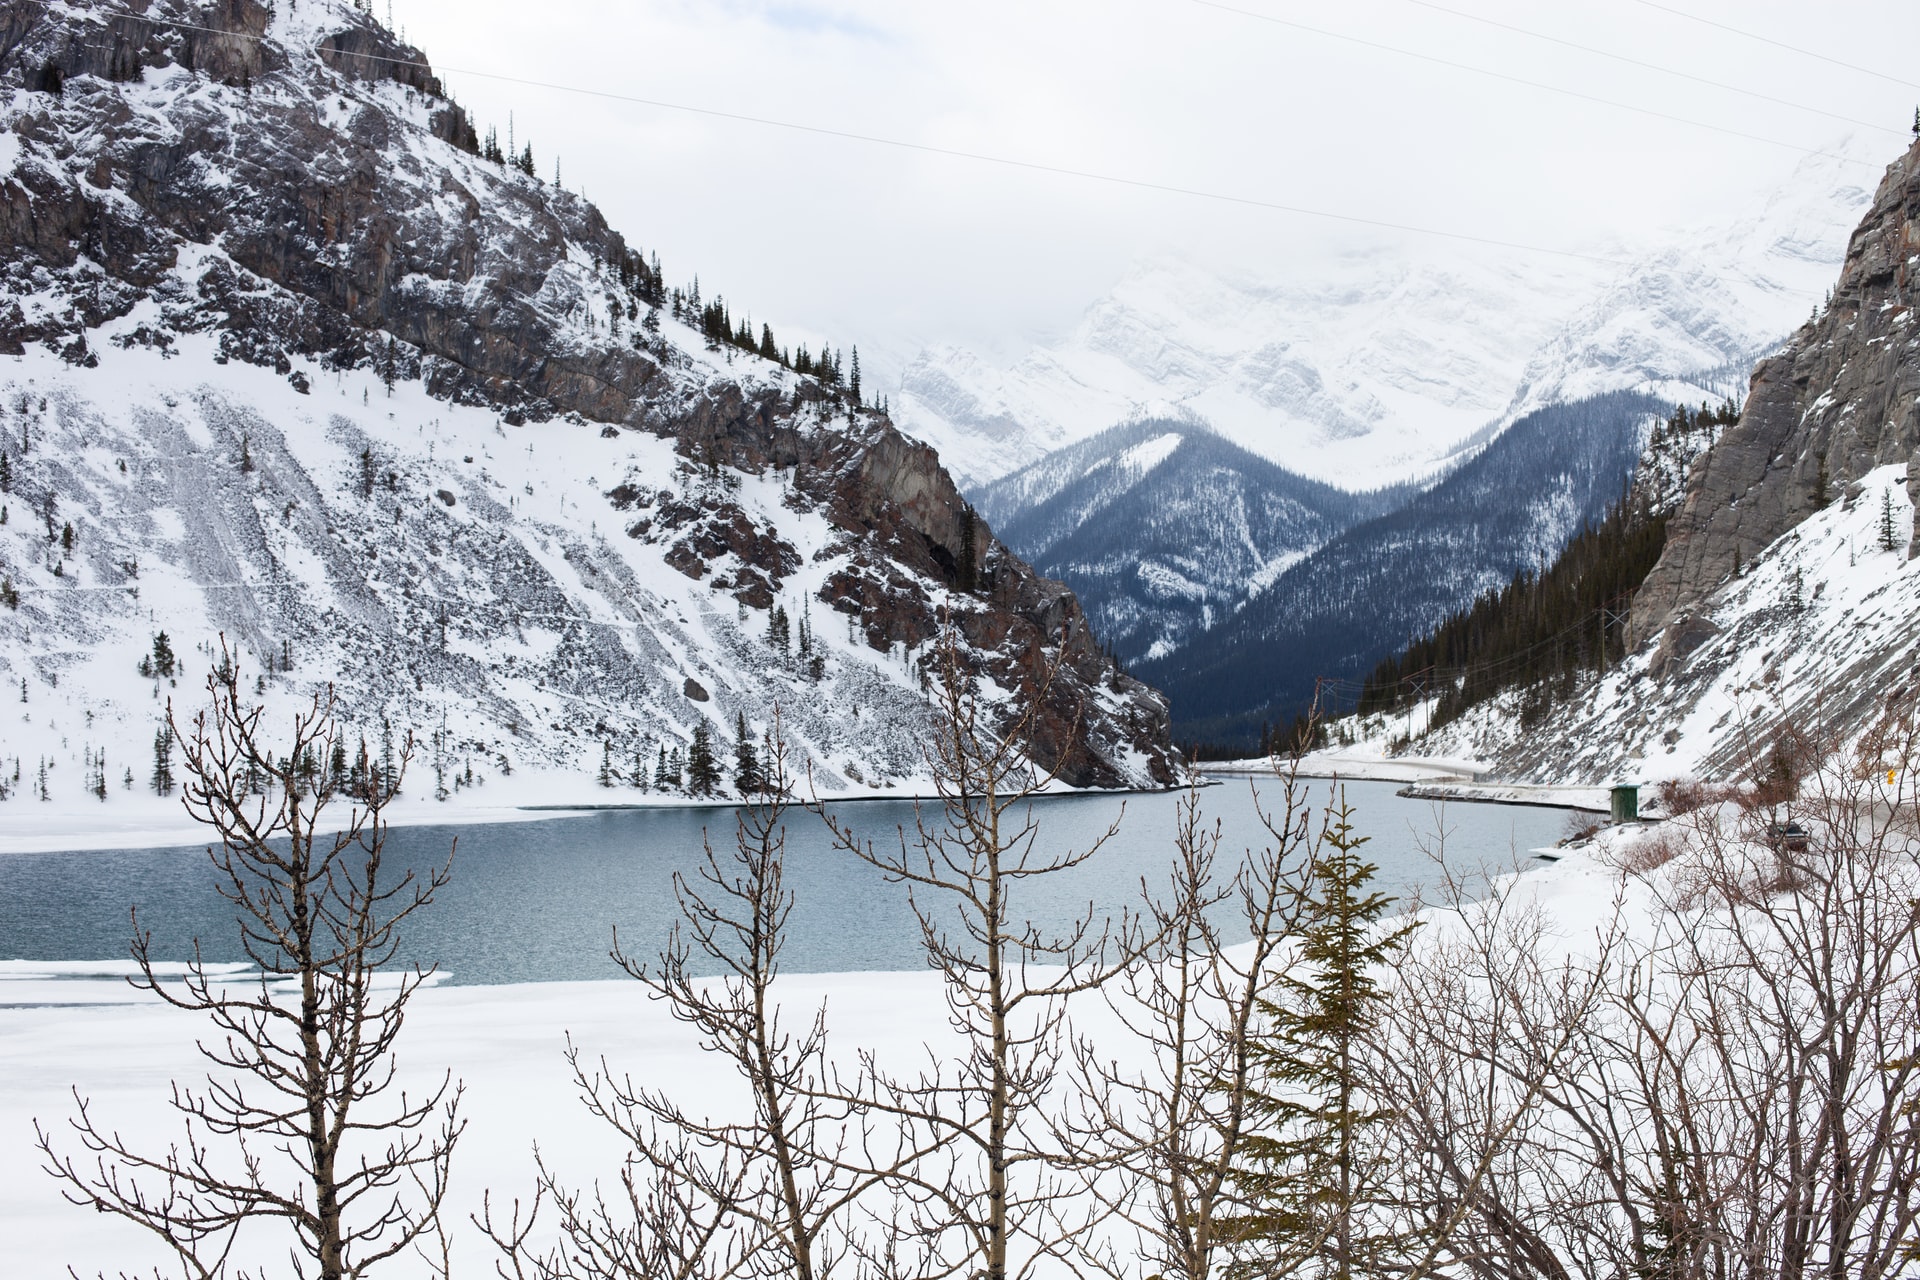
x=1380, y=366
x=298, y=367
x=1819, y=631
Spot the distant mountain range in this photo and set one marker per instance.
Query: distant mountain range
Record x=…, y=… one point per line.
x=1380, y=366
x=1386, y=580
x=1253, y=523
x=1166, y=529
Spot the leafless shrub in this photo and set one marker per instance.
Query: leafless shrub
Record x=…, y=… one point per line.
x=1720, y=1083
x=290, y=1138
x=1679, y=797
x=1651, y=849
x=1582, y=826
x=767, y=1191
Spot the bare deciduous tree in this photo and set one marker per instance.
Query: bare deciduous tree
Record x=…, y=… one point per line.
x=296, y=1135
x=763, y=1192
x=963, y=1144
x=1737, y=1089
x=1159, y=1145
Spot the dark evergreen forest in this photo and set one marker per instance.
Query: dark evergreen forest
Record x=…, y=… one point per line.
x=1386, y=583
x=1541, y=631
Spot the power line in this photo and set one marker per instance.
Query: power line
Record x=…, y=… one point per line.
x=1531, y=84
x=1032, y=166
x=1778, y=44
x=1650, y=66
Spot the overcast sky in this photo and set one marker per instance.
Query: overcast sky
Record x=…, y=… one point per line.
x=892, y=249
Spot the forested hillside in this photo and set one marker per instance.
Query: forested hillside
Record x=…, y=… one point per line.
x=1545, y=628
x=1164, y=529
x=1379, y=585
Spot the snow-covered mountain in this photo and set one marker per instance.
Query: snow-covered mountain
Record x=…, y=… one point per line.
x=1378, y=584
x=1165, y=528
x=1379, y=366
x=1782, y=619
x=289, y=359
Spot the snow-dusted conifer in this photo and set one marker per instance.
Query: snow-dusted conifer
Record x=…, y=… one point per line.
x=1313, y=1176
x=703, y=771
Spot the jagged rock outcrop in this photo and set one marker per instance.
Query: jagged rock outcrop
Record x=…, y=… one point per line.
x=1840, y=400
x=291, y=184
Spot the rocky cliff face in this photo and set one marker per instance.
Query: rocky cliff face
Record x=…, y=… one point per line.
x=286, y=191
x=1788, y=592
x=1842, y=399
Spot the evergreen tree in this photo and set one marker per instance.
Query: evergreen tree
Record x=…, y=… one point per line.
x=246, y=454
x=747, y=778
x=703, y=772
x=1312, y=1175
x=1888, y=542
x=676, y=769
x=661, y=780
x=6, y=473
x=779, y=630
x=66, y=538
x=164, y=663
x=8, y=595
x=163, y=761
x=853, y=382
x=606, y=762
x=638, y=780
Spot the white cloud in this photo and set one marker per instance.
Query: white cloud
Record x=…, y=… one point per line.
x=893, y=248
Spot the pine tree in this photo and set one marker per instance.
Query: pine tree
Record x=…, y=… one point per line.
x=8, y=595
x=853, y=383
x=676, y=770
x=660, y=777
x=747, y=779
x=703, y=772
x=164, y=663
x=779, y=630
x=163, y=761
x=6, y=473
x=639, y=778
x=1887, y=540
x=246, y=455
x=66, y=537
x=1312, y=1174
x=606, y=762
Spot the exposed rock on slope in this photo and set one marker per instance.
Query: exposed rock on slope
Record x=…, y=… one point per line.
x=1841, y=400
x=269, y=306
x=1788, y=591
